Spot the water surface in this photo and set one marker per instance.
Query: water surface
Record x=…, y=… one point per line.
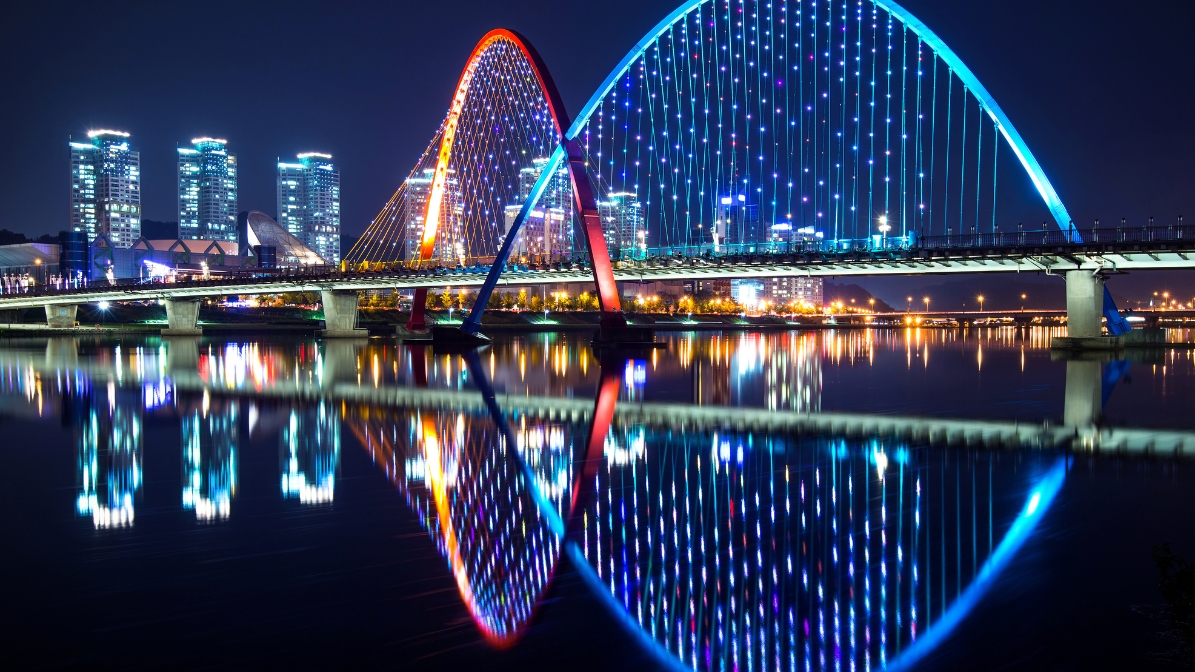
x=848, y=500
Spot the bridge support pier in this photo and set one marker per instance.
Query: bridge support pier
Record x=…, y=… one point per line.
x=1085, y=315
x=340, y=315
x=61, y=317
x=182, y=316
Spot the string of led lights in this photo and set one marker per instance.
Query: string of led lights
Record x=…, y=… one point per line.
x=481, y=161
x=756, y=124
x=473, y=499
x=734, y=126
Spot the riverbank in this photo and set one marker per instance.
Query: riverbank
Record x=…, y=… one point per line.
x=378, y=321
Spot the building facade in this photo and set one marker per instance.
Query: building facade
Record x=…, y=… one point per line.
x=548, y=231
x=207, y=191
x=309, y=203
x=786, y=294
x=622, y=223
x=737, y=223
x=106, y=188
x=451, y=246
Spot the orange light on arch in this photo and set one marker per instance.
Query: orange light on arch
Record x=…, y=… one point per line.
x=435, y=199
x=431, y=219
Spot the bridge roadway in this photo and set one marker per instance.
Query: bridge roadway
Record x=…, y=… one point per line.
x=1078, y=432
x=1051, y=256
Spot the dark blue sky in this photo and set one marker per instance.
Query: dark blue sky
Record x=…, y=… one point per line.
x=1102, y=91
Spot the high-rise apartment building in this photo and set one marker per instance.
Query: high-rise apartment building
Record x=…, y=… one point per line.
x=548, y=230
x=737, y=222
x=309, y=203
x=622, y=222
x=207, y=191
x=106, y=188
x=782, y=294
x=451, y=246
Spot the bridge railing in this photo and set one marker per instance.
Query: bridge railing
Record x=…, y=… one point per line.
x=1103, y=235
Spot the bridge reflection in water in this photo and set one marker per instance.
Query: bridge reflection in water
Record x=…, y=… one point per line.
x=721, y=549
x=770, y=537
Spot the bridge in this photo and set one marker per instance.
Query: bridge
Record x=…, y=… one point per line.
x=735, y=140
x=1133, y=249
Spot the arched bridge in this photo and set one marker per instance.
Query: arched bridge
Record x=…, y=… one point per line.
x=738, y=138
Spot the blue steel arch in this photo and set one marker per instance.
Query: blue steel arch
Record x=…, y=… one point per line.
x=1032, y=167
x=937, y=45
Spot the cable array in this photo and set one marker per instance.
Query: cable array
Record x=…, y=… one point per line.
x=503, y=126
x=737, y=125
x=759, y=124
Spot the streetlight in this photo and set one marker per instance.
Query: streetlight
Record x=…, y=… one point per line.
x=909, y=305
x=926, y=300
x=1022, y=303
x=884, y=229
x=980, y=297
x=872, y=302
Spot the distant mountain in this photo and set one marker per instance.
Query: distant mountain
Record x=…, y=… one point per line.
x=1002, y=291
x=961, y=292
x=13, y=238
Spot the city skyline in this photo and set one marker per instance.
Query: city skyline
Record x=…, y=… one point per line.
x=105, y=195
x=370, y=131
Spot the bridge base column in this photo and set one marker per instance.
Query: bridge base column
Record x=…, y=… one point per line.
x=182, y=316
x=455, y=337
x=340, y=315
x=1085, y=315
x=625, y=337
x=61, y=317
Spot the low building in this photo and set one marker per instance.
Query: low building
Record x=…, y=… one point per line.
x=258, y=230
x=715, y=288
x=32, y=261
x=783, y=293
x=159, y=258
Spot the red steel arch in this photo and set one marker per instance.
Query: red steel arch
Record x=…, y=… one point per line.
x=586, y=205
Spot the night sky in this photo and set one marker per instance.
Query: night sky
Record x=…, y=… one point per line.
x=1101, y=91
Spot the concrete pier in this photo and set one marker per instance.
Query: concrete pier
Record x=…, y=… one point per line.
x=1085, y=315
x=340, y=315
x=182, y=318
x=60, y=316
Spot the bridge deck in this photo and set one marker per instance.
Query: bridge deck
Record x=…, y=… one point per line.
x=1056, y=257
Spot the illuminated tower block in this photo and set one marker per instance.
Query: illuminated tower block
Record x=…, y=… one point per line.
x=309, y=203
x=207, y=191
x=106, y=188
x=451, y=245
